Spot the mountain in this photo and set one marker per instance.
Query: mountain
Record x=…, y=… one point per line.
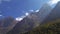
x=31, y=21
x=41, y=15
x=7, y=24
x=22, y=26
x=44, y=11
x=54, y=14
x=50, y=25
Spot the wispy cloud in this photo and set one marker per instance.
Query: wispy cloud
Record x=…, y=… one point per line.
x=7, y=0
x=26, y=13
x=20, y=18
x=37, y=11
x=1, y=15
x=31, y=10
x=4, y=0
x=0, y=1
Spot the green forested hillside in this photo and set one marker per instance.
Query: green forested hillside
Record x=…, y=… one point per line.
x=47, y=28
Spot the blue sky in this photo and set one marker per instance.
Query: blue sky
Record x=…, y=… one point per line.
x=17, y=8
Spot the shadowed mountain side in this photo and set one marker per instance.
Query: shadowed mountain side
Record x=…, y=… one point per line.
x=23, y=26
x=7, y=24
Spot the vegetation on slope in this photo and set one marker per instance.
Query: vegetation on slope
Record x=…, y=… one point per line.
x=47, y=28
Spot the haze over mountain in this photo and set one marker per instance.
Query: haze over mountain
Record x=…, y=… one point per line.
x=54, y=14
x=40, y=15
x=44, y=11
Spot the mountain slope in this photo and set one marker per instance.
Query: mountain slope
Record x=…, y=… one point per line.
x=6, y=24
x=41, y=15
x=44, y=11
x=51, y=25
x=54, y=14
x=31, y=21
x=48, y=28
x=22, y=26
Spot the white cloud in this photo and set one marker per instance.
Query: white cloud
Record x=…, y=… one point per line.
x=20, y=18
x=4, y=0
x=0, y=1
x=1, y=15
x=26, y=13
x=37, y=11
x=31, y=10
x=52, y=2
x=7, y=0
